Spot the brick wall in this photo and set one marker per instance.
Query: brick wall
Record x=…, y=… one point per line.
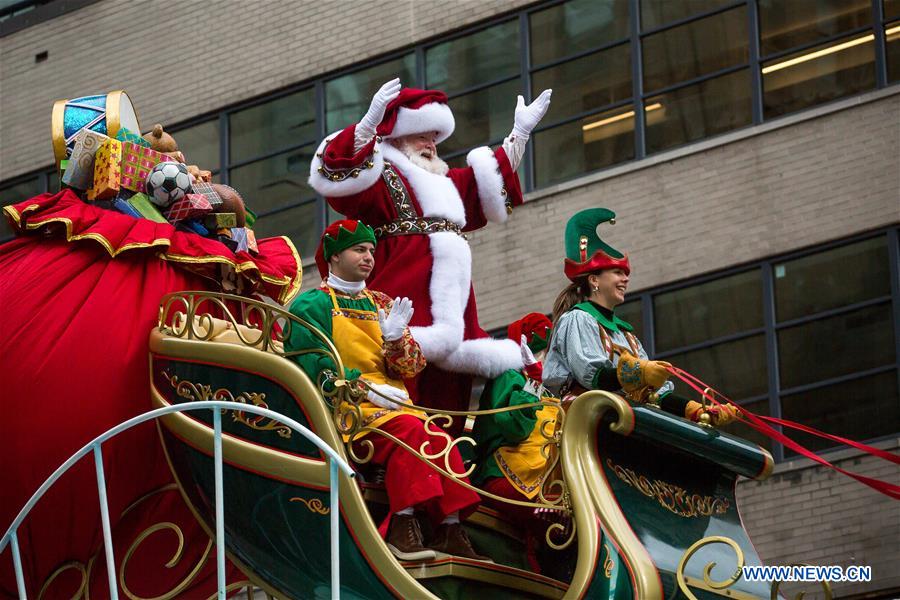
x=207, y=55
x=805, y=513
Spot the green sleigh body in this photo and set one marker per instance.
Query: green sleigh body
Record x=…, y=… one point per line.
x=651, y=495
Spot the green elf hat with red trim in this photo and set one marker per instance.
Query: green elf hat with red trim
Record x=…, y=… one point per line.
x=536, y=328
x=585, y=251
x=339, y=236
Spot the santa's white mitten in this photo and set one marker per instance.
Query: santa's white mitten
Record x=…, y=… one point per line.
x=527, y=117
x=387, y=395
x=380, y=100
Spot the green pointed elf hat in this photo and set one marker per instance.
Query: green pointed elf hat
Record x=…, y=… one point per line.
x=339, y=236
x=586, y=252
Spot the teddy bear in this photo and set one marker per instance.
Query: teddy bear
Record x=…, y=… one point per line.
x=164, y=143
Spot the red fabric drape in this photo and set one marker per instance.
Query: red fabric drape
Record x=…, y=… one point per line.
x=76, y=312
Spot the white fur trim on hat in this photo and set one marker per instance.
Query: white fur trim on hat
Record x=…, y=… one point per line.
x=350, y=185
x=433, y=116
x=489, y=182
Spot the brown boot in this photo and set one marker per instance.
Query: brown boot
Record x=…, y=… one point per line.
x=452, y=539
x=404, y=539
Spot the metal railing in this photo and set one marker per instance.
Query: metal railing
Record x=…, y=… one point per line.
x=334, y=462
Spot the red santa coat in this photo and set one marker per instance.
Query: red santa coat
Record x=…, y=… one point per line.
x=432, y=263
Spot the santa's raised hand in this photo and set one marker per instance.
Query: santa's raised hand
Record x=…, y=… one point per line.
x=527, y=117
x=380, y=100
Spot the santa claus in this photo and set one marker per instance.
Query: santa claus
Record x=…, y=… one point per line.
x=385, y=171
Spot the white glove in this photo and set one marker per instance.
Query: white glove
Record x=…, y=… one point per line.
x=527, y=355
x=393, y=394
x=380, y=100
x=527, y=117
x=394, y=324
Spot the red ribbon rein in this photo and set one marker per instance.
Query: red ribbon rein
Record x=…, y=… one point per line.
x=759, y=423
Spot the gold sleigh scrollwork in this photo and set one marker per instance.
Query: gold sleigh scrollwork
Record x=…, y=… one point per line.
x=707, y=580
x=265, y=327
x=313, y=504
x=673, y=498
x=200, y=392
x=85, y=570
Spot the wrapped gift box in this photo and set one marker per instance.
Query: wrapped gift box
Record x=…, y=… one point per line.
x=251, y=241
x=107, y=170
x=80, y=170
x=194, y=226
x=189, y=207
x=124, y=206
x=136, y=164
x=141, y=203
x=201, y=187
x=126, y=135
x=220, y=221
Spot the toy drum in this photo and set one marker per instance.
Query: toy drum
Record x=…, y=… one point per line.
x=103, y=114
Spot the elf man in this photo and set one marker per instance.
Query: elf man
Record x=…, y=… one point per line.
x=371, y=333
x=509, y=445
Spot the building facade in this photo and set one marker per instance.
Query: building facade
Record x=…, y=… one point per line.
x=750, y=148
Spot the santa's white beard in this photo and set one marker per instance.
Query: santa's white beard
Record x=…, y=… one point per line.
x=432, y=165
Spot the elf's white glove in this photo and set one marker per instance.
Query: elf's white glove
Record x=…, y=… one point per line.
x=394, y=324
x=393, y=394
x=375, y=114
x=527, y=117
x=532, y=366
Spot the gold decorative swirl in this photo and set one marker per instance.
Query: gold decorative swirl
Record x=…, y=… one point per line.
x=715, y=585
x=826, y=587
x=200, y=392
x=73, y=564
x=313, y=504
x=173, y=562
x=673, y=498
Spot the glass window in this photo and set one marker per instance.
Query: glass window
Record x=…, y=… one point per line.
x=14, y=194
x=785, y=25
x=891, y=9
x=585, y=84
x=695, y=49
x=816, y=75
x=708, y=310
x=630, y=312
x=698, y=111
x=737, y=369
x=606, y=138
x=832, y=279
x=281, y=123
x=835, y=346
x=576, y=26
x=275, y=182
x=300, y=223
x=200, y=144
x=864, y=408
x=487, y=55
x=760, y=407
x=347, y=97
x=482, y=116
x=892, y=49
x=655, y=13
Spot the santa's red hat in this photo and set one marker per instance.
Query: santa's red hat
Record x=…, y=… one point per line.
x=417, y=111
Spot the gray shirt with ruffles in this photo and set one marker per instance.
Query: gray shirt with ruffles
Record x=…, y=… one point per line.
x=576, y=352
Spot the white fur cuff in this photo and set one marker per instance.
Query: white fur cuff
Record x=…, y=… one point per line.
x=491, y=191
x=347, y=185
x=486, y=357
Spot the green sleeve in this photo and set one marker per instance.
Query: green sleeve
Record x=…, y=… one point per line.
x=607, y=379
x=314, y=307
x=507, y=390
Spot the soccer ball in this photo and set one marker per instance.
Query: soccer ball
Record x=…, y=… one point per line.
x=168, y=182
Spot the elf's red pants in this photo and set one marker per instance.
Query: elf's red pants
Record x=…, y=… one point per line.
x=409, y=481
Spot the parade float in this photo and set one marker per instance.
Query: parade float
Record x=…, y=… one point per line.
x=638, y=503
